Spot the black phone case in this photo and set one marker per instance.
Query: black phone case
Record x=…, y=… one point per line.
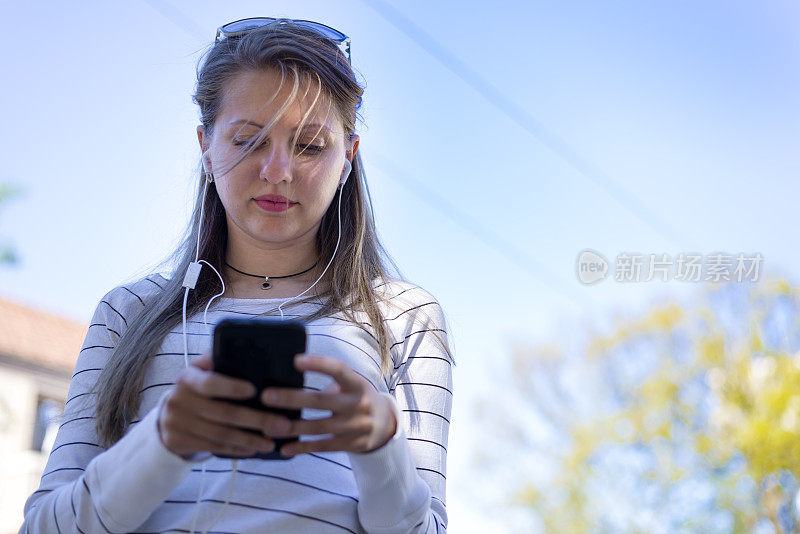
x=261, y=351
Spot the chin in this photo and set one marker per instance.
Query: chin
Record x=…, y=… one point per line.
x=272, y=234
x=275, y=230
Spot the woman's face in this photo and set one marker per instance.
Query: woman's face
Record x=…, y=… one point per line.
x=309, y=182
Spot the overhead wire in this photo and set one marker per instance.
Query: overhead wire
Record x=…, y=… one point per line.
x=525, y=120
x=487, y=235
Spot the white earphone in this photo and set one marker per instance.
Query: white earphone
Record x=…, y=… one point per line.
x=190, y=281
x=205, y=158
x=210, y=178
x=345, y=171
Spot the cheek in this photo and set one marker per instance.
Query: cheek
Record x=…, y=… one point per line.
x=313, y=187
x=229, y=196
x=322, y=193
x=223, y=192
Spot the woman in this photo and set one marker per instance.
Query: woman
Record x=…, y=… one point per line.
x=282, y=223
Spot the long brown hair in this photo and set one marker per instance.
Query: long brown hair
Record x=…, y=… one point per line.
x=358, y=264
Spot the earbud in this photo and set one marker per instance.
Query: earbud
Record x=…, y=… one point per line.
x=345, y=171
x=206, y=160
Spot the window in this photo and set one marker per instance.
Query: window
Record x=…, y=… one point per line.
x=48, y=415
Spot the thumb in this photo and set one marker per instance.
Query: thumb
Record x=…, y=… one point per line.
x=204, y=362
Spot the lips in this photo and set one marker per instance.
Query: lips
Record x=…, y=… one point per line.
x=274, y=203
x=274, y=198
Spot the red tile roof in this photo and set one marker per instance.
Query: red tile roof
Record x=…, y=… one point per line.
x=37, y=336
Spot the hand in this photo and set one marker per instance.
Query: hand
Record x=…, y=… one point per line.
x=361, y=420
x=191, y=421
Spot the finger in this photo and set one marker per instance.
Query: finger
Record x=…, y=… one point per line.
x=186, y=446
x=204, y=361
x=344, y=403
x=341, y=426
x=347, y=379
x=333, y=387
x=224, y=435
x=221, y=449
x=213, y=384
x=223, y=412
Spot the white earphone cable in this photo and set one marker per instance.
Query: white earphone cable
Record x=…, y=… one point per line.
x=190, y=281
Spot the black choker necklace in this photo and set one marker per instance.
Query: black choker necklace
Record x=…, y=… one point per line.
x=267, y=284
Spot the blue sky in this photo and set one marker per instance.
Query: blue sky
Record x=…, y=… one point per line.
x=689, y=108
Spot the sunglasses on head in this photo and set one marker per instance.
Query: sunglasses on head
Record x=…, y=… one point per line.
x=242, y=26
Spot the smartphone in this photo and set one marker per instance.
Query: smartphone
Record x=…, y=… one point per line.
x=261, y=351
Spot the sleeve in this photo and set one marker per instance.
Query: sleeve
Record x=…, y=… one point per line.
x=402, y=484
x=88, y=488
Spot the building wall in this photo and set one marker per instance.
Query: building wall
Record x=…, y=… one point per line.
x=22, y=386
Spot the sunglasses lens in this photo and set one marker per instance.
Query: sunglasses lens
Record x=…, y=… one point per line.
x=246, y=24
x=327, y=31
x=257, y=22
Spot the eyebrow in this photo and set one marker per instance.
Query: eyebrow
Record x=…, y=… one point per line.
x=259, y=126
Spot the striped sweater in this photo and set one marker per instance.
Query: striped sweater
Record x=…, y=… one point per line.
x=137, y=485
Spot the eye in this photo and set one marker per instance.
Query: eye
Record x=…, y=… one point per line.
x=312, y=148
x=240, y=142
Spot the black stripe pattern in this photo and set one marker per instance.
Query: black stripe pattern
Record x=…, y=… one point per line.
x=315, y=491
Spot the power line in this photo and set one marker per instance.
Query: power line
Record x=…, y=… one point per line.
x=476, y=229
x=439, y=203
x=180, y=20
x=524, y=119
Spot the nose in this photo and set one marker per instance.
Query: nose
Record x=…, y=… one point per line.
x=276, y=166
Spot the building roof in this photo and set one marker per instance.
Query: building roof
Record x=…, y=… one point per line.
x=39, y=337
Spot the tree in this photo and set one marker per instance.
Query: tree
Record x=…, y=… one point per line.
x=7, y=253
x=686, y=419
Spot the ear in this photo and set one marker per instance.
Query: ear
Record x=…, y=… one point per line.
x=201, y=138
x=201, y=131
x=351, y=152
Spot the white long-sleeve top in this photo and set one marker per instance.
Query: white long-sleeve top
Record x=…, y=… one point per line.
x=138, y=485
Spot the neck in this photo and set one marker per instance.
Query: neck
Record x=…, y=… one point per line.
x=273, y=267
x=271, y=259
x=257, y=270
